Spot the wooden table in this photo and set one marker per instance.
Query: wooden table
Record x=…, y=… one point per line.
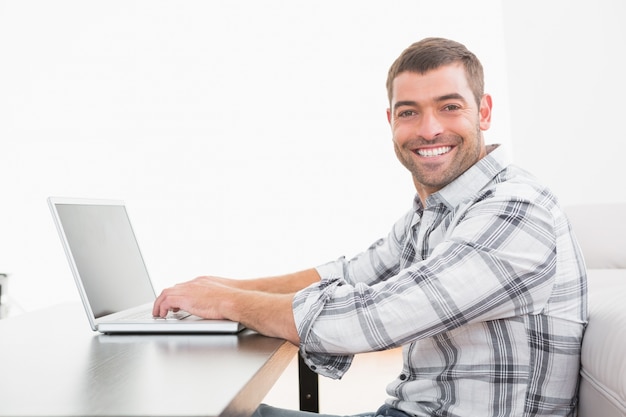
x=51, y=364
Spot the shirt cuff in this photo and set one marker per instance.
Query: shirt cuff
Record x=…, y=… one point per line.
x=307, y=306
x=332, y=270
x=333, y=367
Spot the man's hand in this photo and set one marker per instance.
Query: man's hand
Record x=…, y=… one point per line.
x=268, y=313
x=201, y=297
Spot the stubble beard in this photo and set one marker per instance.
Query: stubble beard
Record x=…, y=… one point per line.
x=437, y=179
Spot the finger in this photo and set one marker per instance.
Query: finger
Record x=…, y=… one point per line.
x=157, y=305
x=164, y=303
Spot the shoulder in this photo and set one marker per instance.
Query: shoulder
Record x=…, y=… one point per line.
x=517, y=195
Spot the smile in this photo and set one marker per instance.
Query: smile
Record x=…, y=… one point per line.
x=433, y=151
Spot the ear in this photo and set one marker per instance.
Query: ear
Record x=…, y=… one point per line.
x=485, y=112
x=389, y=116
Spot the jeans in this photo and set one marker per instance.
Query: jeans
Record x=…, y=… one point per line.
x=265, y=410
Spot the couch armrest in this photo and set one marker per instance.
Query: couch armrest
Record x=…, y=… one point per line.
x=603, y=357
x=601, y=233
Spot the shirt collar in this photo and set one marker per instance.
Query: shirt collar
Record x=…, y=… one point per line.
x=471, y=181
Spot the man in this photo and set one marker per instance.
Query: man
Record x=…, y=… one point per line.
x=481, y=282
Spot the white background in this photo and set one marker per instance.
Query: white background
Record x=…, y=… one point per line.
x=249, y=137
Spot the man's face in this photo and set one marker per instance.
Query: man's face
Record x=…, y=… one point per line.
x=437, y=125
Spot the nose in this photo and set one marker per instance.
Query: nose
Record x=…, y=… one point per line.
x=429, y=126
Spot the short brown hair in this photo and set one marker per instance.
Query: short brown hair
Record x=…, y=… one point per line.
x=432, y=53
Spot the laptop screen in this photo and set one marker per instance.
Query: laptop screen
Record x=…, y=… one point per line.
x=106, y=256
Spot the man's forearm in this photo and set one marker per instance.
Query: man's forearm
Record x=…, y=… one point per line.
x=282, y=284
x=266, y=304
x=270, y=314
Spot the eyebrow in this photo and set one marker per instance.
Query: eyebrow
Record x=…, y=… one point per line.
x=451, y=96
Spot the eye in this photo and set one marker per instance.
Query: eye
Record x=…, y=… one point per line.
x=407, y=113
x=451, y=107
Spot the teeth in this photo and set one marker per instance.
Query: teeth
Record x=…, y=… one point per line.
x=434, y=151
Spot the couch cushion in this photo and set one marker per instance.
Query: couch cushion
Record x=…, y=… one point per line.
x=603, y=357
x=601, y=233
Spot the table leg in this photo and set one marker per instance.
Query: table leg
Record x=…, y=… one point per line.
x=309, y=387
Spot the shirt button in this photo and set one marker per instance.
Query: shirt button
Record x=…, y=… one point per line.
x=402, y=377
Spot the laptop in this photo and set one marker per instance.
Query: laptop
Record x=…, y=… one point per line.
x=110, y=272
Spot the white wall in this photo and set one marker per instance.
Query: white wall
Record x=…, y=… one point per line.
x=247, y=137
x=567, y=87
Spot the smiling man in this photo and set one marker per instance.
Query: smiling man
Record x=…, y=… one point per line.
x=481, y=281
x=437, y=125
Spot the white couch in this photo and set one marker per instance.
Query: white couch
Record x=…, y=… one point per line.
x=601, y=232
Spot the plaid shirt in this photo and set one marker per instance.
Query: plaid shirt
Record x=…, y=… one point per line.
x=485, y=289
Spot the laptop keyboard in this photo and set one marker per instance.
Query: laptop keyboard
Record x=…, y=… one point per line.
x=147, y=315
